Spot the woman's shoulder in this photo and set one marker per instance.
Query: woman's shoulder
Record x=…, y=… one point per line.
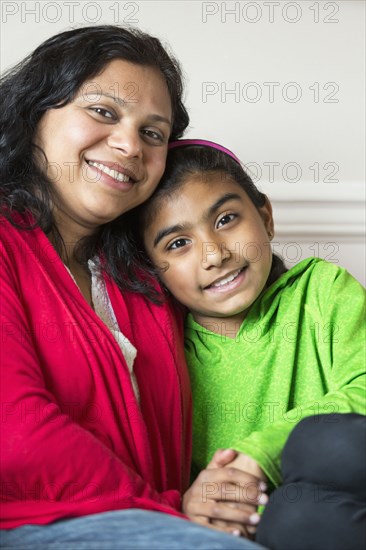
x=12, y=226
x=10, y=235
x=23, y=242
x=14, y=223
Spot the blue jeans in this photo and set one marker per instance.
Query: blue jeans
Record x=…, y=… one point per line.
x=124, y=530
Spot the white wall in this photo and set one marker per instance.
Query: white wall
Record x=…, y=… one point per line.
x=281, y=83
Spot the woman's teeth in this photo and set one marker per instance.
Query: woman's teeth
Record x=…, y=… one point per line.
x=227, y=279
x=110, y=172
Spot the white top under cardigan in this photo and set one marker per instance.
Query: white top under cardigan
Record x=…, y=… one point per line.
x=103, y=308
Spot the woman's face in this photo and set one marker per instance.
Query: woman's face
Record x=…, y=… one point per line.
x=106, y=149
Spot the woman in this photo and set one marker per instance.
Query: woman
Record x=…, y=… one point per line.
x=94, y=391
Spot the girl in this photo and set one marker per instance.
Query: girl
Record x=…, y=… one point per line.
x=95, y=402
x=266, y=347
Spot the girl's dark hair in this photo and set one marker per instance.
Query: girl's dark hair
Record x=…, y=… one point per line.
x=184, y=163
x=49, y=79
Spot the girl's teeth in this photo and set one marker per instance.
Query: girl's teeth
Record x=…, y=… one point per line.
x=228, y=279
x=110, y=172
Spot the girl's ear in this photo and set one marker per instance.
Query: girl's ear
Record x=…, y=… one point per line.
x=267, y=217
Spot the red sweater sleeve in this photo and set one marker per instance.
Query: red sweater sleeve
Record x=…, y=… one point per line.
x=52, y=466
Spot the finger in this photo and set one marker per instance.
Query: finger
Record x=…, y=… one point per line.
x=221, y=458
x=247, y=531
x=226, y=527
x=202, y=520
x=229, y=528
x=253, y=516
x=236, y=528
x=230, y=475
x=221, y=511
x=204, y=506
x=249, y=494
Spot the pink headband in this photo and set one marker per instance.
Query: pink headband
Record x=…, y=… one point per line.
x=204, y=143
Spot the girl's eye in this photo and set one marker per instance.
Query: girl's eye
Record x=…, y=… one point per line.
x=105, y=113
x=153, y=135
x=226, y=219
x=179, y=243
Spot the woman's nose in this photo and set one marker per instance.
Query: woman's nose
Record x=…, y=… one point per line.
x=127, y=141
x=214, y=254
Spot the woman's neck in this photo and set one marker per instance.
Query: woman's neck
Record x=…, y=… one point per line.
x=65, y=238
x=70, y=233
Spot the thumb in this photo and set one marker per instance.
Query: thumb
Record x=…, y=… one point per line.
x=221, y=458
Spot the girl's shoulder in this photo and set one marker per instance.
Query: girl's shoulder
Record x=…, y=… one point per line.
x=312, y=281
x=315, y=271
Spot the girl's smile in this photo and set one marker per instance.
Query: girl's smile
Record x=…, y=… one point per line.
x=212, y=245
x=229, y=282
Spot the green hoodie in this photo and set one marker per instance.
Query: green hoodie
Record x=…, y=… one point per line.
x=300, y=351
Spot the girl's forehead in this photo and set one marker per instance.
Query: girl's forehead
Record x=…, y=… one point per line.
x=197, y=193
x=206, y=176
x=193, y=194
x=209, y=182
x=193, y=204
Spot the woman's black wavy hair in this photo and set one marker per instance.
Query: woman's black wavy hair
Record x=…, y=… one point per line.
x=49, y=79
x=184, y=163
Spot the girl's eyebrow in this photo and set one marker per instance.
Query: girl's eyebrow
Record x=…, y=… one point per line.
x=168, y=231
x=206, y=215
x=220, y=202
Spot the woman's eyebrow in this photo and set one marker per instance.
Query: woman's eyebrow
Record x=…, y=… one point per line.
x=159, y=118
x=94, y=96
x=115, y=98
x=123, y=103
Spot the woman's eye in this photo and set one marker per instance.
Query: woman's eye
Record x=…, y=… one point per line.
x=153, y=135
x=104, y=113
x=225, y=219
x=179, y=243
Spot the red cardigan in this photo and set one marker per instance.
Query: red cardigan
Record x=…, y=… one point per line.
x=74, y=439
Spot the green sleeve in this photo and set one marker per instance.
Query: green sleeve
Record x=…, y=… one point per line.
x=342, y=307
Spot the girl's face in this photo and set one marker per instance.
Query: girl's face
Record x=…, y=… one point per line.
x=106, y=150
x=214, y=245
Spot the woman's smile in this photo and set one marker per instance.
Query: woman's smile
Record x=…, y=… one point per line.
x=113, y=170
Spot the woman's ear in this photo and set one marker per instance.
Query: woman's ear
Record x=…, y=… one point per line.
x=267, y=217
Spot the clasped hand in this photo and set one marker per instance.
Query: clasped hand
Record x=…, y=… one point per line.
x=225, y=495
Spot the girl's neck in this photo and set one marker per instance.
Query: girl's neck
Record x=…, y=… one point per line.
x=226, y=327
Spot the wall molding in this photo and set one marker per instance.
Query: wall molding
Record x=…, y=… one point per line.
x=318, y=210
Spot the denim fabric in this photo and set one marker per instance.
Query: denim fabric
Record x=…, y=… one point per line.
x=125, y=530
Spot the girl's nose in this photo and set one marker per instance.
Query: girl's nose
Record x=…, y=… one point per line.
x=214, y=254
